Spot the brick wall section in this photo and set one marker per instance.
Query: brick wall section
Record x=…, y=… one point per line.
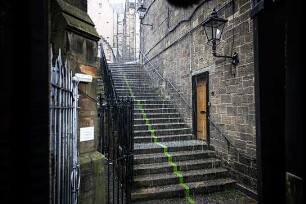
x=83, y=61
x=178, y=47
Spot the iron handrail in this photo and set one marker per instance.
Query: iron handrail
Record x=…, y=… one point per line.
x=107, y=76
x=155, y=70
x=247, y=157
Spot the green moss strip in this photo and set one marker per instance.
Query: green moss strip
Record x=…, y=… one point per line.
x=166, y=149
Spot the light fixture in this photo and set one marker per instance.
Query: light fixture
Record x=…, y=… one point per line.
x=82, y=77
x=142, y=10
x=213, y=27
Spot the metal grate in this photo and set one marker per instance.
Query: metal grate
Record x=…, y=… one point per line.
x=117, y=144
x=63, y=134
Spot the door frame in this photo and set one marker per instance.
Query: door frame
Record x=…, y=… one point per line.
x=194, y=102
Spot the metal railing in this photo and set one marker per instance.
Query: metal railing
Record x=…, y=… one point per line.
x=117, y=144
x=109, y=87
x=230, y=143
x=116, y=138
x=168, y=88
x=157, y=78
x=65, y=172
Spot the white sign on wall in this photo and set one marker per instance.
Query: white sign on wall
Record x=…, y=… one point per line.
x=86, y=133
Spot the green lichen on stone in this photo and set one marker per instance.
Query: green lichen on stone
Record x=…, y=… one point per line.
x=80, y=25
x=98, y=161
x=92, y=173
x=84, y=162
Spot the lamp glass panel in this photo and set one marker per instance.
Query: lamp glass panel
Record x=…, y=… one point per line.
x=218, y=29
x=209, y=31
x=141, y=15
x=142, y=9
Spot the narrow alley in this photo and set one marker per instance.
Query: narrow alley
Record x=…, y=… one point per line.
x=151, y=101
x=170, y=165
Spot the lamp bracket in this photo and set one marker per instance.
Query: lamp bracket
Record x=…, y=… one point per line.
x=146, y=24
x=235, y=58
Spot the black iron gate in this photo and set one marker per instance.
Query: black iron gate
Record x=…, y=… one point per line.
x=117, y=144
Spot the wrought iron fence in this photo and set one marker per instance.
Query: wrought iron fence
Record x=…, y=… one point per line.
x=109, y=87
x=117, y=144
x=63, y=134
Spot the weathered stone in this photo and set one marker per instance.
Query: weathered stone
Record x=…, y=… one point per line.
x=226, y=98
x=88, y=70
x=92, y=178
x=231, y=111
x=231, y=89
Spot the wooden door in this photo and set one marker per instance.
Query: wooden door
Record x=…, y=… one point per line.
x=201, y=108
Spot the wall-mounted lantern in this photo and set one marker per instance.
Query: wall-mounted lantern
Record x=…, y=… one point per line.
x=213, y=27
x=142, y=11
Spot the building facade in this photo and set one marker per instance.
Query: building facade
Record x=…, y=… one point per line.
x=224, y=93
x=73, y=32
x=105, y=19
x=130, y=32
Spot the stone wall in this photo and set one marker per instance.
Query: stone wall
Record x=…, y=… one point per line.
x=92, y=186
x=82, y=57
x=129, y=32
x=177, y=46
x=77, y=40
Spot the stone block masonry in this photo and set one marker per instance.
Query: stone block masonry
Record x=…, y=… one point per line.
x=177, y=46
x=92, y=189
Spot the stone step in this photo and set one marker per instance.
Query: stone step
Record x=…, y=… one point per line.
x=158, y=120
x=156, y=115
x=131, y=81
x=124, y=95
x=165, y=167
x=155, y=106
x=132, y=86
x=147, y=97
x=127, y=73
x=176, y=156
x=123, y=64
x=189, y=145
x=150, y=101
x=131, y=72
x=135, y=87
x=156, y=110
x=177, y=190
x=139, y=90
x=143, y=93
x=153, y=175
x=124, y=68
x=150, y=180
x=160, y=126
x=130, y=78
x=160, y=132
x=165, y=138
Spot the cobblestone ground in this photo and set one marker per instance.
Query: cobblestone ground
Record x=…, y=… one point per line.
x=225, y=197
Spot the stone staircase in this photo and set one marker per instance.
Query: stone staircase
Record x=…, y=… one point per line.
x=170, y=162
